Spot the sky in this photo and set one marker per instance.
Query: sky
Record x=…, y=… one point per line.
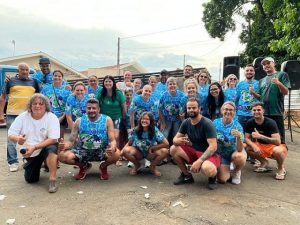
x=84, y=34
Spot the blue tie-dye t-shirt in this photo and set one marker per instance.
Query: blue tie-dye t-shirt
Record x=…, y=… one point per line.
x=76, y=107
x=244, y=99
x=169, y=105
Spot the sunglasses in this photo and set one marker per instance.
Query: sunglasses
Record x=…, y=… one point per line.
x=203, y=76
x=232, y=79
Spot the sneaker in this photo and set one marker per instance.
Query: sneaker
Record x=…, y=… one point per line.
x=184, y=179
x=53, y=186
x=130, y=164
x=13, y=167
x=82, y=171
x=103, y=172
x=212, y=183
x=147, y=163
x=236, y=177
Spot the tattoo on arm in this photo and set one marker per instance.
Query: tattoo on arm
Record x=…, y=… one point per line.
x=74, y=132
x=205, y=155
x=269, y=140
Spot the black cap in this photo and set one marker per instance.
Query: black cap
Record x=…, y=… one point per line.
x=44, y=60
x=164, y=72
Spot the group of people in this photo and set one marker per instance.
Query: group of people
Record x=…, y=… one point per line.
x=201, y=125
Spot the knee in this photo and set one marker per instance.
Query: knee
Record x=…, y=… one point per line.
x=62, y=157
x=278, y=152
x=238, y=157
x=222, y=180
x=173, y=150
x=208, y=169
x=126, y=151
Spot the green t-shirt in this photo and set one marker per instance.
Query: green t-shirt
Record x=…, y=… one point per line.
x=113, y=109
x=270, y=94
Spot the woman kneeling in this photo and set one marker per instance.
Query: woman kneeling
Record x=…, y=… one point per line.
x=146, y=142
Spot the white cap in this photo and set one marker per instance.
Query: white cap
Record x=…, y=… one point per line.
x=270, y=59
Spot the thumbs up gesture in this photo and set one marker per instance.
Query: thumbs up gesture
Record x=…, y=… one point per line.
x=21, y=139
x=61, y=145
x=256, y=134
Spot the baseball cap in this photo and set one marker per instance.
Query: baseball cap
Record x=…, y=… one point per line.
x=270, y=59
x=44, y=60
x=165, y=72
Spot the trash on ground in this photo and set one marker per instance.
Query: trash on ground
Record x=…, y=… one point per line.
x=2, y=197
x=161, y=212
x=80, y=192
x=22, y=206
x=144, y=187
x=179, y=203
x=10, y=221
x=147, y=195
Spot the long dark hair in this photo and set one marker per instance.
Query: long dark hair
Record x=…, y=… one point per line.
x=211, y=103
x=151, y=129
x=104, y=90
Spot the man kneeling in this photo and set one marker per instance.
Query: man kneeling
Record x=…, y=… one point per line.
x=196, y=143
x=263, y=141
x=37, y=130
x=96, y=142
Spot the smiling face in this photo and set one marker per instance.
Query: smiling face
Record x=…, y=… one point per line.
x=202, y=78
x=269, y=67
x=45, y=68
x=79, y=91
x=232, y=80
x=127, y=76
x=152, y=82
x=57, y=78
x=93, y=111
x=228, y=111
x=257, y=112
x=137, y=84
x=147, y=91
x=191, y=90
x=38, y=108
x=108, y=84
x=23, y=71
x=187, y=72
x=214, y=90
x=249, y=72
x=172, y=86
x=128, y=96
x=145, y=121
x=93, y=82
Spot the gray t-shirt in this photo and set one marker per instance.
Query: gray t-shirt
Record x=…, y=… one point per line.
x=198, y=133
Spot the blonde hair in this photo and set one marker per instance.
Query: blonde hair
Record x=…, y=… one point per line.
x=190, y=81
x=227, y=79
x=172, y=79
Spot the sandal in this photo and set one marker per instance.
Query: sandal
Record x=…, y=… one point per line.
x=280, y=176
x=263, y=169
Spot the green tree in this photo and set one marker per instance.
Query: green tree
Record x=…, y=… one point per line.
x=271, y=28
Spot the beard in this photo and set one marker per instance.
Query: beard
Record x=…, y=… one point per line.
x=193, y=115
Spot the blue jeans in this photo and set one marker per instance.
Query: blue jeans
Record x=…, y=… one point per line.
x=171, y=128
x=12, y=156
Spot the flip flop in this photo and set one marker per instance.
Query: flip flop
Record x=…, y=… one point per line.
x=263, y=169
x=280, y=176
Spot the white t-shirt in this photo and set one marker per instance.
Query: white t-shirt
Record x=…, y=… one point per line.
x=36, y=131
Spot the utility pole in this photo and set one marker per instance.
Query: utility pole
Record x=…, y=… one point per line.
x=183, y=60
x=14, y=43
x=118, y=57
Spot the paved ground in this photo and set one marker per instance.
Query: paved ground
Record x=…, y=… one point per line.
x=260, y=199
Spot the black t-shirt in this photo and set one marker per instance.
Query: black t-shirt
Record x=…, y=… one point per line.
x=267, y=128
x=198, y=133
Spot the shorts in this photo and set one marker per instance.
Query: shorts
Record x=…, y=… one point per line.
x=117, y=123
x=267, y=149
x=84, y=155
x=194, y=154
x=33, y=165
x=227, y=160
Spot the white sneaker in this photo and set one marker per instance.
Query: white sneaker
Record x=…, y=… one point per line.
x=232, y=166
x=130, y=164
x=236, y=177
x=147, y=163
x=13, y=167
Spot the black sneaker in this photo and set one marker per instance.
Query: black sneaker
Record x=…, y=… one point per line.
x=184, y=179
x=212, y=183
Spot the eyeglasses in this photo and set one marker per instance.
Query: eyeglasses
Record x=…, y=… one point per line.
x=229, y=110
x=214, y=89
x=232, y=79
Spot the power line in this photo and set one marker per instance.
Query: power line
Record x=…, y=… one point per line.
x=162, y=31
